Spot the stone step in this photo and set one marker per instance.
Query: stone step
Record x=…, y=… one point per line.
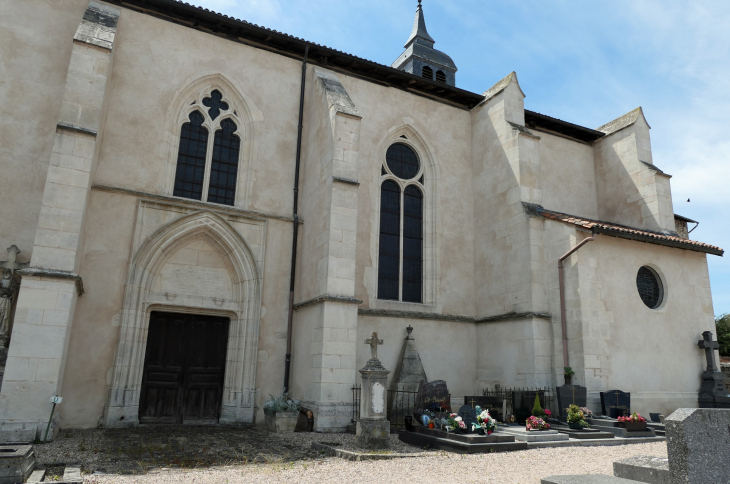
x=37, y=476
x=585, y=479
x=72, y=475
x=452, y=445
x=643, y=468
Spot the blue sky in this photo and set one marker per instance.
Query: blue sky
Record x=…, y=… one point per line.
x=586, y=62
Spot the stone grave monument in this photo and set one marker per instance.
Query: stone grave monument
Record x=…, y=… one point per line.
x=434, y=394
x=468, y=415
x=569, y=395
x=713, y=393
x=407, y=377
x=615, y=403
x=373, y=429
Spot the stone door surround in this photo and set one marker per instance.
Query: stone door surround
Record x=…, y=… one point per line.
x=140, y=300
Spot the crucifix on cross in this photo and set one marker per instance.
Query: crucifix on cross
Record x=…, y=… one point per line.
x=709, y=346
x=373, y=341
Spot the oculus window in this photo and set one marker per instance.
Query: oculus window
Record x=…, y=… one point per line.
x=400, y=254
x=650, y=288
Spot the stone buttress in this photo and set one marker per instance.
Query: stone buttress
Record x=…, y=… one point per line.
x=325, y=325
x=51, y=285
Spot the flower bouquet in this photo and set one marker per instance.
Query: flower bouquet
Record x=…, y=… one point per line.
x=586, y=411
x=547, y=413
x=455, y=423
x=633, y=423
x=576, y=419
x=486, y=421
x=535, y=423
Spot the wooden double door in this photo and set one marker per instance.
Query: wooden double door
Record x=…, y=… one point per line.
x=183, y=369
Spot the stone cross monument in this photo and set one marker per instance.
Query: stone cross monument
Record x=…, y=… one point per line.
x=713, y=393
x=373, y=428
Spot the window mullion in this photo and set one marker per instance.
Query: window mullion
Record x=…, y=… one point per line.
x=208, y=164
x=400, y=242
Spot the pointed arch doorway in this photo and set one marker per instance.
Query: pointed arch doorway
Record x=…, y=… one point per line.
x=184, y=366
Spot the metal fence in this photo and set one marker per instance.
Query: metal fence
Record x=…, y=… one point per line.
x=400, y=403
x=519, y=401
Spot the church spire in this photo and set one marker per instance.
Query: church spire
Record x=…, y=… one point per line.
x=421, y=59
x=419, y=31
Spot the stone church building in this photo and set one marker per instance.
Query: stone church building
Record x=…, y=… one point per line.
x=201, y=211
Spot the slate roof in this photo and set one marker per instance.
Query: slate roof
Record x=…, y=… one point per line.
x=237, y=30
x=622, y=231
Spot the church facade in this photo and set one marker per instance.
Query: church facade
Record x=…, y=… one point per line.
x=208, y=211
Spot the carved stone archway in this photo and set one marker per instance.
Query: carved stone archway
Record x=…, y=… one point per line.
x=142, y=295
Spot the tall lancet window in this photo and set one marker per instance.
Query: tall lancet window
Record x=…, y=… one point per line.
x=400, y=258
x=208, y=171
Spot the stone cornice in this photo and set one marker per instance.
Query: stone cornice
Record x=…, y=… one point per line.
x=392, y=313
x=348, y=181
x=327, y=297
x=54, y=274
x=75, y=129
x=213, y=207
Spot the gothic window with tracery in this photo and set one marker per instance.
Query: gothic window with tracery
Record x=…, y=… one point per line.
x=208, y=171
x=400, y=257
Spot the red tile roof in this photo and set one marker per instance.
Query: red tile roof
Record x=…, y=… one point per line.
x=616, y=230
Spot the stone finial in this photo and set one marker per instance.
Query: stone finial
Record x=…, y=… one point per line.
x=409, y=329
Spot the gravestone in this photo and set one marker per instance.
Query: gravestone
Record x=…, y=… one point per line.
x=713, y=393
x=569, y=395
x=615, y=403
x=494, y=404
x=468, y=415
x=698, y=444
x=373, y=429
x=432, y=395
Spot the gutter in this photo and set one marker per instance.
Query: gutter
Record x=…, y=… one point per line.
x=563, y=324
x=295, y=224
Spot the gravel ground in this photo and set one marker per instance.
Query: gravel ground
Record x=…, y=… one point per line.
x=520, y=467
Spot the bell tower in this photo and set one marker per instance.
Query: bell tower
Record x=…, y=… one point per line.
x=421, y=59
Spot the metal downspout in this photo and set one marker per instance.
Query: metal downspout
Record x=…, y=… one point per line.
x=563, y=324
x=295, y=217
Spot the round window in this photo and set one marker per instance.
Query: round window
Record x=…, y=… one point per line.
x=650, y=287
x=402, y=161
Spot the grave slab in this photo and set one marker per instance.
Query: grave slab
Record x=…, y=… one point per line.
x=524, y=435
x=460, y=443
x=698, y=444
x=643, y=468
x=585, y=479
x=16, y=463
x=609, y=426
x=585, y=433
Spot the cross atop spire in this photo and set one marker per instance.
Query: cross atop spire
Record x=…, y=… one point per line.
x=419, y=32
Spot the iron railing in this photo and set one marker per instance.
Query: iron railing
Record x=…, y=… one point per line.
x=401, y=403
x=519, y=401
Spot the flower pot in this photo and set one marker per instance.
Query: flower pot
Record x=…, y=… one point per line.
x=633, y=426
x=568, y=379
x=431, y=425
x=575, y=426
x=282, y=421
x=480, y=431
x=457, y=430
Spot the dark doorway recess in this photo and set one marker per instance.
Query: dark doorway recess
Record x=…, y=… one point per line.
x=183, y=369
